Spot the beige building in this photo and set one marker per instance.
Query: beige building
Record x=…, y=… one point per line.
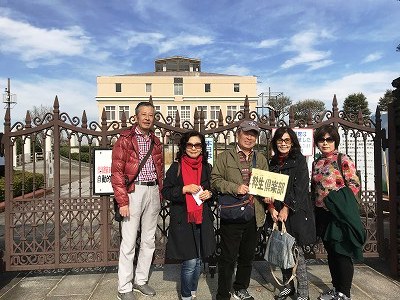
x=177, y=84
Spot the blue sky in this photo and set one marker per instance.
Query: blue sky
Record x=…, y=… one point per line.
x=305, y=49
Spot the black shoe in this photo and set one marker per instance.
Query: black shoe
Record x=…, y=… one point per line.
x=286, y=292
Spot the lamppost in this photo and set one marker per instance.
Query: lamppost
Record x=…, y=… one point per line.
x=9, y=99
x=270, y=95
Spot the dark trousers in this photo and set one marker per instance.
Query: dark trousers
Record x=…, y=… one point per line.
x=341, y=266
x=238, y=244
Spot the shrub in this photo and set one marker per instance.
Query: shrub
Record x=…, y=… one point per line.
x=84, y=153
x=23, y=181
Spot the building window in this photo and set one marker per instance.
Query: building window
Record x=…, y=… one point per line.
x=204, y=108
x=236, y=87
x=185, y=113
x=157, y=108
x=214, y=112
x=110, y=112
x=148, y=87
x=171, y=111
x=178, y=86
x=207, y=87
x=124, y=109
x=231, y=110
x=118, y=87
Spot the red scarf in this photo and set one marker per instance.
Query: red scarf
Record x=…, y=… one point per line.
x=191, y=173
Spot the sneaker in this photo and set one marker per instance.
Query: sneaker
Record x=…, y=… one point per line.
x=126, y=296
x=242, y=294
x=286, y=292
x=327, y=295
x=341, y=296
x=145, y=289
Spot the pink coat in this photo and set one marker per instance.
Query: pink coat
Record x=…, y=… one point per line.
x=125, y=163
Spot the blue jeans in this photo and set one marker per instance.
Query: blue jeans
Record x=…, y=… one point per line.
x=190, y=274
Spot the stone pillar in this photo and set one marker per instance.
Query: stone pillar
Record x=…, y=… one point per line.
x=394, y=178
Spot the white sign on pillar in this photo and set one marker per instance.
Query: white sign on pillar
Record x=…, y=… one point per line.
x=210, y=149
x=49, y=162
x=15, y=155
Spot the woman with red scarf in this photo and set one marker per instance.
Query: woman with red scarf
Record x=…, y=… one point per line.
x=191, y=237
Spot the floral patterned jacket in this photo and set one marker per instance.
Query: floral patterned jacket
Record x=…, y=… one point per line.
x=326, y=176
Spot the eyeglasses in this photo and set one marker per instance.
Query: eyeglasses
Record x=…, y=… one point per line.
x=287, y=141
x=328, y=140
x=197, y=146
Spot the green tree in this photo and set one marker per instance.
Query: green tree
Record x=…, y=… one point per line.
x=356, y=102
x=385, y=100
x=303, y=108
x=281, y=105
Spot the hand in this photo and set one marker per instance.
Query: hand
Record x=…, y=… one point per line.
x=269, y=200
x=204, y=195
x=124, y=211
x=283, y=214
x=242, y=189
x=190, y=189
x=274, y=214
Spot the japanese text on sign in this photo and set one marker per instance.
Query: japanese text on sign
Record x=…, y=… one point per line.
x=102, y=172
x=268, y=184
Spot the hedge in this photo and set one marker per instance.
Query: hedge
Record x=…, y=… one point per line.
x=28, y=183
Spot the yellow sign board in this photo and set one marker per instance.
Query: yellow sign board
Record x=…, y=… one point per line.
x=268, y=184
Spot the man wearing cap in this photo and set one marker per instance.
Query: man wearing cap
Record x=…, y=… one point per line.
x=231, y=175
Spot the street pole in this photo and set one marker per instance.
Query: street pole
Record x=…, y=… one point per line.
x=8, y=94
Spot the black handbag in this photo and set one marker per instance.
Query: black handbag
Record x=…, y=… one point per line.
x=237, y=209
x=234, y=209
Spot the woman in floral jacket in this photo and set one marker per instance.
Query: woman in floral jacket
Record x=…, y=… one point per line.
x=327, y=178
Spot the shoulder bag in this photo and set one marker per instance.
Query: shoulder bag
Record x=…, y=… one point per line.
x=236, y=209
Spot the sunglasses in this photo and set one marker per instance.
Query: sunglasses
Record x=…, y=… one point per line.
x=328, y=140
x=287, y=141
x=196, y=146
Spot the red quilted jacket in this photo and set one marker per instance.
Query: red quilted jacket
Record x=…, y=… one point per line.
x=125, y=163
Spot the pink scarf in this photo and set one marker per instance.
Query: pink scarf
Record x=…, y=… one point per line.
x=191, y=173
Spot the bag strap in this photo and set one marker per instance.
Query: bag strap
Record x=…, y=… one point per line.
x=339, y=161
x=294, y=269
x=142, y=163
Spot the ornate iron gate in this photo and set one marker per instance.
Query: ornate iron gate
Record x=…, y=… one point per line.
x=62, y=224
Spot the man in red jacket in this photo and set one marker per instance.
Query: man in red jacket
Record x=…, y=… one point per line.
x=139, y=202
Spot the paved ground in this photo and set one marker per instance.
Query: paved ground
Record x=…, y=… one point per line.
x=100, y=283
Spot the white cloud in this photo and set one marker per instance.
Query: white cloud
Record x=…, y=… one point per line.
x=74, y=96
x=183, y=41
x=303, y=43
x=372, y=84
x=31, y=43
x=158, y=41
x=268, y=43
x=235, y=70
x=319, y=64
x=372, y=57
